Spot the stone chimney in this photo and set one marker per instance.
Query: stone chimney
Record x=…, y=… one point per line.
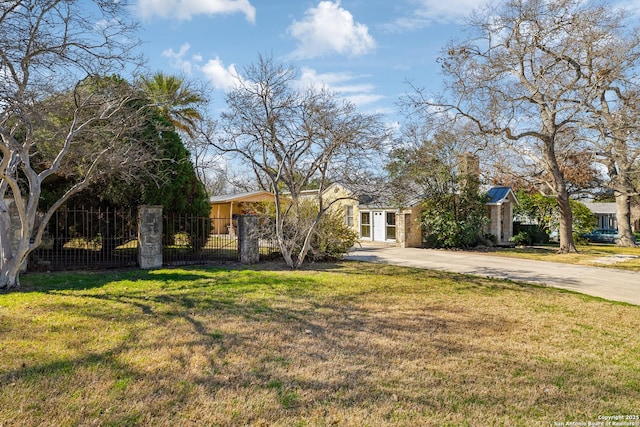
x=469, y=169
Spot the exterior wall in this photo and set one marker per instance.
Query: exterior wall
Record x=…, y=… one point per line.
x=409, y=229
x=224, y=211
x=495, y=221
x=335, y=192
x=507, y=222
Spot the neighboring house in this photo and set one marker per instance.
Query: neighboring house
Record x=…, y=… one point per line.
x=500, y=212
x=605, y=214
x=226, y=207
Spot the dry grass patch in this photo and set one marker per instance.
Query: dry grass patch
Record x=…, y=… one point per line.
x=592, y=254
x=339, y=344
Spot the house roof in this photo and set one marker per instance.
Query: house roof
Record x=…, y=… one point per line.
x=601, y=208
x=253, y=196
x=499, y=195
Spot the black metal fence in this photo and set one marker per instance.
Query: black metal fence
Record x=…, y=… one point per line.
x=189, y=240
x=193, y=240
x=78, y=238
x=269, y=248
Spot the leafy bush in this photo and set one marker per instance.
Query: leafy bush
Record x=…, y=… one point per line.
x=521, y=239
x=332, y=238
x=454, y=221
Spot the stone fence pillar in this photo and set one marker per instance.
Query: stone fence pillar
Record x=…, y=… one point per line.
x=248, y=239
x=150, y=236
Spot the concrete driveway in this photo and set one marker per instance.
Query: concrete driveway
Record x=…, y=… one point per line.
x=611, y=284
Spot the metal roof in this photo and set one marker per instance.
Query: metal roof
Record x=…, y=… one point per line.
x=498, y=195
x=223, y=198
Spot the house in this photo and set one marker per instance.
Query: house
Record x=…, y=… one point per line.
x=382, y=222
x=605, y=214
x=374, y=218
x=377, y=219
x=226, y=207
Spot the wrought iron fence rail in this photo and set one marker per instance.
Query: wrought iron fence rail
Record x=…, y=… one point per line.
x=191, y=240
x=78, y=238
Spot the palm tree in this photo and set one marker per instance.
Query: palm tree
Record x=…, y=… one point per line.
x=174, y=100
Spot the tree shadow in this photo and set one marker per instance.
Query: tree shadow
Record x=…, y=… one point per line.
x=309, y=351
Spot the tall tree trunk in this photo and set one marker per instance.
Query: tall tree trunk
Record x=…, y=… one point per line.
x=623, y=218
x=620, y=173
x=567, y=245
x=559, y=188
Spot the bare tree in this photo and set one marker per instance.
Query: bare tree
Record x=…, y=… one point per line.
x=291, y=137
x=522, y=79
x=612, y=101
x=55, y=114
x=210, y=167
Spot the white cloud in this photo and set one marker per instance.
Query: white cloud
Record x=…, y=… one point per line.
x=221, y=77
x=328, y=29
x=186, y=9
x=177, y=59
x=430, y=11
x=341, y=83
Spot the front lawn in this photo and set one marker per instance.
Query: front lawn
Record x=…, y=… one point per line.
x=348, y=344
x=597, y=255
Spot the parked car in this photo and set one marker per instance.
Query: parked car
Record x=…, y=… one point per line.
x=602, y=235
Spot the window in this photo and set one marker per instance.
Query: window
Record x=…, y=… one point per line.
x=365, y=224
x=391, y=226
x=348, y=216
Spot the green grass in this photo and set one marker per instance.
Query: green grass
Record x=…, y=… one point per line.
x=591, y=254
x=349, y=344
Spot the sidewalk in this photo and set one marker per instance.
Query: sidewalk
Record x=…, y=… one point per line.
x=611, y=284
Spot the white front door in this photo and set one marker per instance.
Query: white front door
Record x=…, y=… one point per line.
x=378, y=226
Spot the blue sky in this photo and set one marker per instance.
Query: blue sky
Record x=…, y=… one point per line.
x=365, y=50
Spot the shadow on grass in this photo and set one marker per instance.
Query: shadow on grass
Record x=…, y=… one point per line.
x=310, y=351
x=34, y=281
